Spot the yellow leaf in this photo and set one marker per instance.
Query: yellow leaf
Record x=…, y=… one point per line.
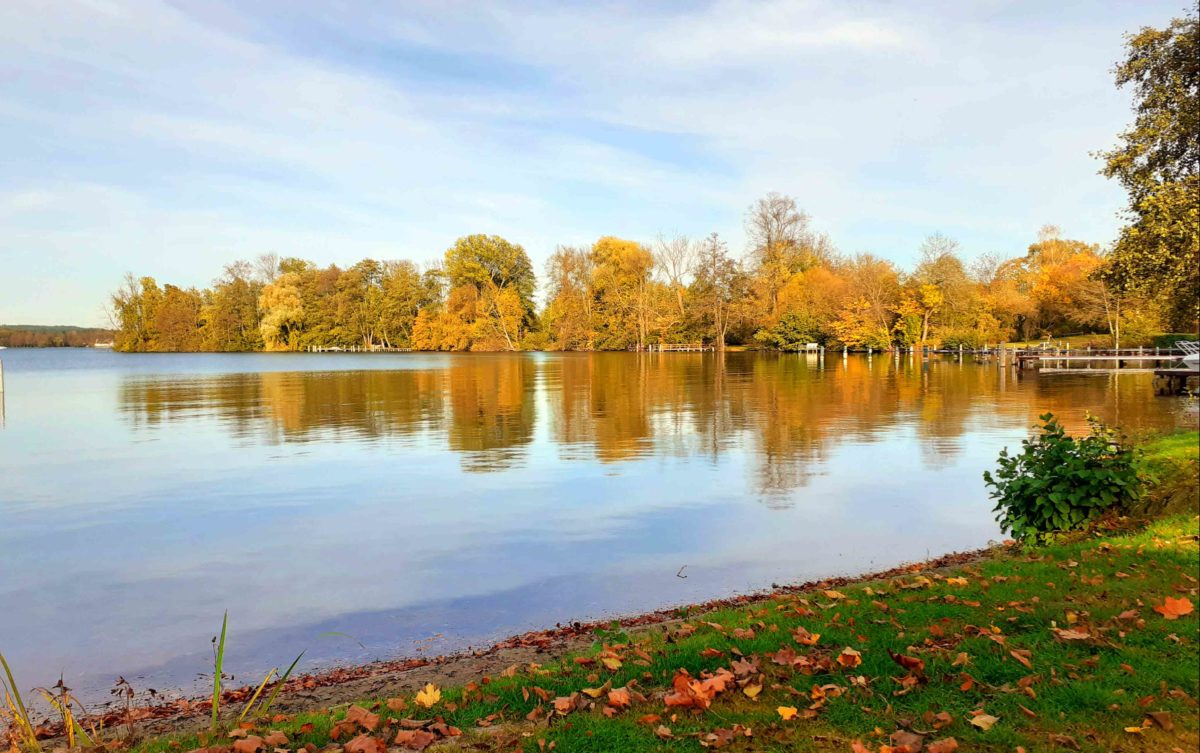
x=957, y=581
x=787, y=712
x=752, y=690
x=834, y=595
x=984, y=721
x=428, y=696
x=1135, y=730
x=611, y=662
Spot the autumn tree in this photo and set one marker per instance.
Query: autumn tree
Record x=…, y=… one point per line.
x=230, y=314
x=718, y=285
x=1158, y=164
x=502, y=277
x=569, y=299
x=622, y=280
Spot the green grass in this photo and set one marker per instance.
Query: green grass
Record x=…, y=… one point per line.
x=1089, y=689
x=1179, y=447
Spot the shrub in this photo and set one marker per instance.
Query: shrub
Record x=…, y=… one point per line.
x=1168, y=340
x=1060, y=483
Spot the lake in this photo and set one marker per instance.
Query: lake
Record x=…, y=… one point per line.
x=377, y=506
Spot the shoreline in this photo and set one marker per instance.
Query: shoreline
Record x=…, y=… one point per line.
x=343, y=684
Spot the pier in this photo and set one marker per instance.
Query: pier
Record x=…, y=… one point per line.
x=1170, y=382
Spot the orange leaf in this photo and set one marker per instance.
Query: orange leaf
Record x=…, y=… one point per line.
x=619, y=698
x=1173, y=609
x=849, y=657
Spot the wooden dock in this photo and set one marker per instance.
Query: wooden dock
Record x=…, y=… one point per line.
x=1105, y=360
x=1176, y=381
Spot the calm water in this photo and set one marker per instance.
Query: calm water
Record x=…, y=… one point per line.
x=429, y=502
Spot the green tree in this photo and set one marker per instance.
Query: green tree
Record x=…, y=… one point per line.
x=1158, y=164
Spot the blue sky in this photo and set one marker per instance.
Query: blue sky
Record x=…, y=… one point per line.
x=168, y=138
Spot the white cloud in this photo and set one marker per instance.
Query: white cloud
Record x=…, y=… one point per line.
x=168, y=139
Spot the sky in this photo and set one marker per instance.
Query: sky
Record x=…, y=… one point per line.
x=170, y=138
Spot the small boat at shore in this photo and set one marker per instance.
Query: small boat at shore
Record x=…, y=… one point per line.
x=1191, y=353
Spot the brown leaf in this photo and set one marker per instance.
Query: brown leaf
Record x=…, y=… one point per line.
x=947, y=745
x=942, y=719
x=911, y=663
x=909, y=741
x=276, y=740
x=397, y=704
x=1022, y=655
x=1162, y=719
x=663, y=732
x=1065, y=741
x=249, y=744
x=1069, y=635
x=412, y=739
x=366, y=744
x=362, y=718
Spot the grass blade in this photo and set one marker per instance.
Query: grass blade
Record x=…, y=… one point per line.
x=257, y=693
x=282, y=681
x=16, y=705
x=218, y=663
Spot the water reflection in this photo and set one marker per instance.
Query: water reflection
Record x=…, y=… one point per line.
x=789, y=412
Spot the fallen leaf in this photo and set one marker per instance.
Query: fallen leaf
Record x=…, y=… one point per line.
x=984, y=721
x=1173, y=609
x=276, y=740
x=849, y=657
x=619, y=698
x=414, y=739
x=752, y=690
x=397, y=704
x=1022, y=655
x=611, y=662
x=909, y=742
x=663, y=731
x=911, y=663
x=365, y=744
x=362, y=718
x=1162, y=719
x=1070, y=635
x=428, y=696
x=835, y=595
x=249, y=744
x=947, y=745
x=786, y=712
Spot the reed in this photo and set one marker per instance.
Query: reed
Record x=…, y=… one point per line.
x=279, y=685
x=21, y=724
x=61, y=700
x=218, y=664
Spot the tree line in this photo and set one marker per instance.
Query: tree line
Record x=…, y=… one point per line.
x=39, y=336
x=790, y=287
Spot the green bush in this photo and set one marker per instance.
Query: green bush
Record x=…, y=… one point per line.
x=1060, y=483
x=1168, y=340
x=968, y=338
